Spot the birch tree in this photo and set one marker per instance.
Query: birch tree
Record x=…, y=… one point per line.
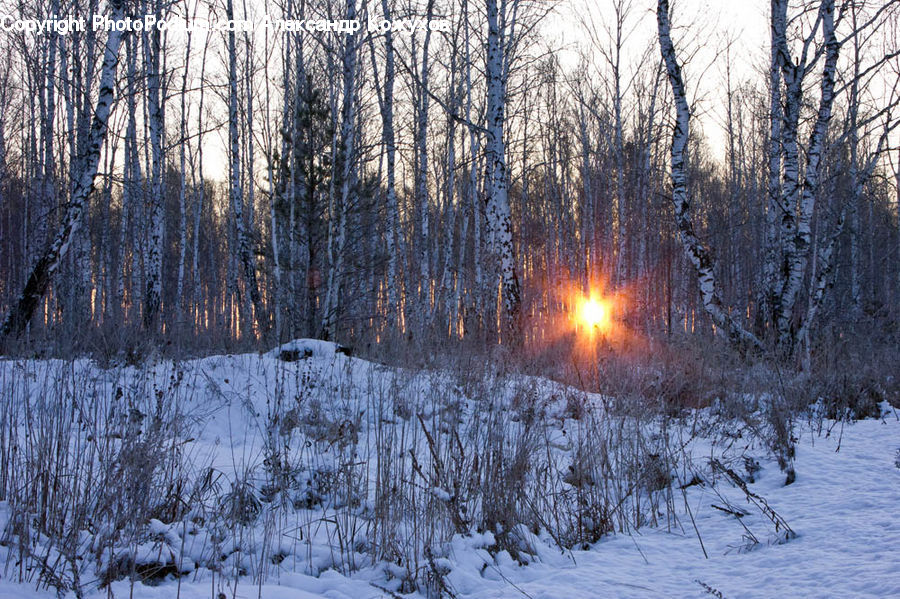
x=131, y=167
x=156, y=113
x=421, y=175
x=384, y=88
x=235, y=192
x=498, y=214
x=182, y=188
x=796, y=230
x=47, y=265
x=346, y=164
x=694, y=249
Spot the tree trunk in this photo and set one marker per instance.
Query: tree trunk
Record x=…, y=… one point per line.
x=498, y=215
x=422, y=174
x=693, y=247
x=41, y=273
x=346, y=164
x=182, y=192
x=156, y=101
x=800, y=247
x=235, y=190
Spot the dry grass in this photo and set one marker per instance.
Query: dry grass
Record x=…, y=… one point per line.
x=100, y=482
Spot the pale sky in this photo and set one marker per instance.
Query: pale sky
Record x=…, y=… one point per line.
x=714, y=21
x=702, y=29
x=709, y=23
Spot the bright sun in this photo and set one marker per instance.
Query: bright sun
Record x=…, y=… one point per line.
x=594, y=313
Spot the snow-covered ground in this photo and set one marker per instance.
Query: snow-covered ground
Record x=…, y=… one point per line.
x=842, y=508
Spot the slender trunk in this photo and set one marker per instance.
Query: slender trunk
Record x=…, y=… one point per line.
x=131, y=163
x=422, y=173
x=855, y=183
x=774, y=203
x=182, y=191
x=589, y=217
x=619, y=149
x=235, y=189
x=42, y=272
x=277, y=191
x=347, y=164
x=153, y=291
x=474, y=196
x=499, y=217
x=388, y=138
x=451, y=212
x=897, y=202
x=696, y=252
x=801, y=245
x=199, y=197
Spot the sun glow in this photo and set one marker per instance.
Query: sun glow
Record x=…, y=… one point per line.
x=594, y=314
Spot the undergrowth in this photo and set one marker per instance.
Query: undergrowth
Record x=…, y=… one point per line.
x=346, y=465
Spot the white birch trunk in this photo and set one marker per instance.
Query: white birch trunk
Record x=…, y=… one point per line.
x=800, y=247
x=42, y=272
x=422, y=172
x=693, y=247
x=153, y=291
x=498, y=215
x=235, y=189
x=347, y=163
x=821, y=281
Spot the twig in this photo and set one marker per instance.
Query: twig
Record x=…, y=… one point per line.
x=691, y=514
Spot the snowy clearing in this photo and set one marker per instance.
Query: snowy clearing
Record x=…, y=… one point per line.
x=841, y=540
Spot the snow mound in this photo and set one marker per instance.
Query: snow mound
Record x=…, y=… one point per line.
x=300, y=349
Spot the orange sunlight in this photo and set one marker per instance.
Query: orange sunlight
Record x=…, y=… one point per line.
x=594, y=314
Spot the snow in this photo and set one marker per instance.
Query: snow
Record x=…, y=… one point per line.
x=307, y=348
x=842, y=506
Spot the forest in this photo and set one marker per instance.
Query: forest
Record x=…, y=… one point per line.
x=504, y=215
x=439, y=186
